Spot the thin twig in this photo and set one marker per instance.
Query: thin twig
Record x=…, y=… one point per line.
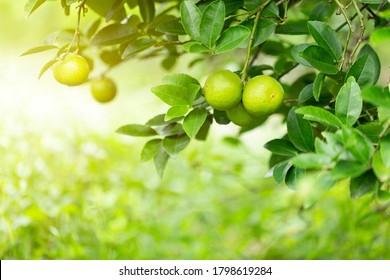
x=363, y=28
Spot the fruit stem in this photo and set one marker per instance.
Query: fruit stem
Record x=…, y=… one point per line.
x=363, y=28
x=244, y=73
x=76, y=37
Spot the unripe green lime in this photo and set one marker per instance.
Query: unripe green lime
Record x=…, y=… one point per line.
x=262, y=96
x=223, y=90
x=239, y=116
x=71, y=70
x=103, y=89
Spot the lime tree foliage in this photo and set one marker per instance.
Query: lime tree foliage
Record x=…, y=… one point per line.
x=336, y=113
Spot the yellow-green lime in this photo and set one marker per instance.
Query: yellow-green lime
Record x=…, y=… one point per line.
x=262, y=96
x=380, y=170
x=103, y=89
x=239, y=116
x=71, y=70
x=223, y=90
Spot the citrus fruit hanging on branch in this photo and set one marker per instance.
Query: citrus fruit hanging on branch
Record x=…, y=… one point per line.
x=239, y=116
x=103, y=89
x=71, y=70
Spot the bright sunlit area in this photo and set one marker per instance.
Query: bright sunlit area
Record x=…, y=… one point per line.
x=73, y=188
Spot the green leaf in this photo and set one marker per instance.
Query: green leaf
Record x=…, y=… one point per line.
x=317, y=86
x=349, y=102
x=251, y=5
x=306, y=94
x=194, y=47
x=191, y=17
x=264, y=29
x=357, y=144
x=300, y=131
x=180, y=79
x=295, y=53
x=160, y=161
x=372, y=1
x=231, y=38
x=204, y=130
x=384, y=114
x=379, y=168
x=347, y=169
x=38, y=50
x=380, y=36
x=320, y=11
x=326, y=38
x=281, y=147
x=280, y=170
x=170, y=129
x=150, y=149
x=174, y=95
x=385, y=150
x=136, y=130
x=171, y=27
x=293, y=27
x=173, y=145
x=46, y=67
x=372, y=130
x=319, y=59
x=147, y=10
x=115, y=8
x=330, y=148
x=377, y=96
x=92, y=28
x=364, y=71
x=322, y=116
x=221, y=117
x=32, y=5
x=367, y=49
x=159, y=120
x=176, y=112
x=137, y=46
x=292, y=177
x=211, y=24
x=194, y=121
x=114, y=34
x=312, y=161
x=364, y=184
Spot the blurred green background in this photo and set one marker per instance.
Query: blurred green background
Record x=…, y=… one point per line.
x=70, y=188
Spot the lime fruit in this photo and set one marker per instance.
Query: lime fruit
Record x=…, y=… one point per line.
x=223, y=90
x=71, y=70
x=239, y=116
x=262, y=96
x=103, y=90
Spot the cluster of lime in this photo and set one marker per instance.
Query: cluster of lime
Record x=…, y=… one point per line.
x=73, y=70
x=245, y=106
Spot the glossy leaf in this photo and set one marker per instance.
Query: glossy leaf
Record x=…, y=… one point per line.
x=190, y=18
x=115, y=8
x=281, y=147
x=171, y=27
x=319, y=59
x=362, y=185
x=138, y=46
x=160, y=161
x=174, y=95
x=204, y=130
x=320, y=12
x=385, y=150
x=300, y=131
x=150, y=149
x=280, y=170
x=367, y=49
x=364, y=71
x=194, y=121
x=173, y=145
x=349, y=102
x=317, y=86
x=311, y=161
x=176, y=111
x=357, y=144
x=380, y=36
x=292, y=177
x=326, y=38
x=147, y=10
x=348, y=169
x=211, y=24
x=136, y=130
x=32, y=5
x=231, y=38
x=306, y=94
x=322, y=116
x=265, y=28
x=221, y=117
x=194, y=47
x=295, y=53
x=293, y=27
x=114, y=34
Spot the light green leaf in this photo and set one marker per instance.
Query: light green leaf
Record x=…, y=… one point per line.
x=176, y=112
x=137, y=46
x=300, y=131
x=190, y=18
x=280, y=170
x=317, y=114
x=348, y=169
x=114, y=34
x=194, y=47
x=231, y=38
x=32, y=5
x=150, y=149
x=38, y=50
x=326, y=38
x=306, y=94
x=136, y=130
x=281, y=147
x=115, y=8
x=349, y=102
x=265, y=28
x=357, y=144
x=319, y=59
x=46, y=67
x=312, y=161
x=211, y=24
x=194, y=121
x=160, y=161
x=295, y=53
x=171, y=27
x=385, y=150
x=377, y=96
x=173, y=145
x=380, y=36
x=180, y=79
x=317, y=86
x=174, y=95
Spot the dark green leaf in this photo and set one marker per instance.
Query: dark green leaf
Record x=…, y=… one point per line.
x=348, y=169
x=137, y=46
x=175, y=112
x=317, y=86
x=385, y=150
x=231, y=38
x=38, y=50
x=251, y=5
x=320, y=12
x=171, y=27
x=319, y=59
x=312, y=161
x=317, y=114
x=357, y=144
x=211, y=23
x=115, y=8
x=173, y=145
x=160, y=161
x=150, y=149
x=174, y=95
x=377, y=96
x=280, y=170
x=326, y=38
x=293, y=27
x=330, y=148
x=194, y=121
x=306, y=94
x=32, y=5
x=114, y=34
x=204, y=130
x=191, y=17
x=281, y=147
x=364, y=184
x=367, y=49
x=363, y=70
x=292, y=177
x=147, y=10
x=136, y=130
x=300, y=131
x=265, y=28
x=221, y=117
x=295, y=53
x=349, y=102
